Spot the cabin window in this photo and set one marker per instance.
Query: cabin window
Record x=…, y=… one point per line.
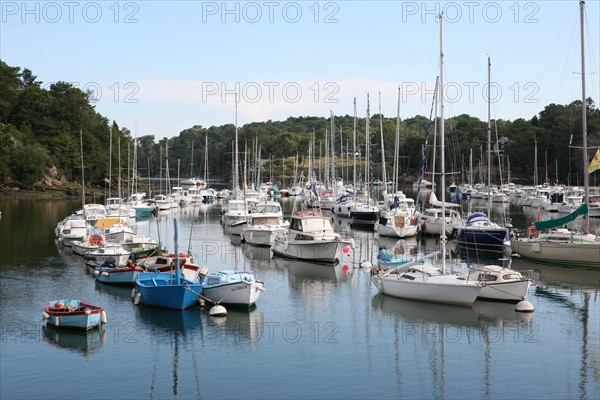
x=213, y=281
x=303, y=237
x=296, y=225
x=161, y=261
x=510, y=276
x=487, y=277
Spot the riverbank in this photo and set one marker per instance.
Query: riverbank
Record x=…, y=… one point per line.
x=67, y=191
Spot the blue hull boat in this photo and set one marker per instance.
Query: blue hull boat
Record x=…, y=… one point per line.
x=479, y=232
x=166, y=290
x=160, y=289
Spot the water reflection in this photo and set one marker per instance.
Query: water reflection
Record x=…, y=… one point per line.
x=301, y=272
x=257, y=255
x=78, y=341
x=116, y=291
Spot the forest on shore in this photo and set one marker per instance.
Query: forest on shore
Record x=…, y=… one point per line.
x=40, y=131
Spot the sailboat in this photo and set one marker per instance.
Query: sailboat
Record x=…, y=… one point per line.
x=166, y=290
x=423, y=281
x=478, y=231
x=398, y=215
x=565, y=246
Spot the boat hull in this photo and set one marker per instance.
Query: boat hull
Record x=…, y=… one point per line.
x=451, y=292
x=122, y=276
x=261, y=237
x=395, y=231
x=567, y=254
x=240, y=294
x=328, y=251
x=505, y=291
x=81, y=316
x=159, y=289
x=476, y=237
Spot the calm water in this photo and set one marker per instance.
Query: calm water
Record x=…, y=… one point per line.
x=317, y=331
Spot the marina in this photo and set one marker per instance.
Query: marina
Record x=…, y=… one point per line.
x=317, y=331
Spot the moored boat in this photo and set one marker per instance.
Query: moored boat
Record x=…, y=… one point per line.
x=236, y=288
x=73, y=314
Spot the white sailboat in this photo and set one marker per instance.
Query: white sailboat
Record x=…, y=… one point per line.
x=565, y=246
x=424, y=282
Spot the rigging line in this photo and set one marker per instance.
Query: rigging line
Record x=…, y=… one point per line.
x=424, y=157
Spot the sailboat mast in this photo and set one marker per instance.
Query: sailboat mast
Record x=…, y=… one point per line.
x=442, y=153
x=586, y=175
x=368, y=153
x=206, y=159
x=397, y=147
x=110, y=161
x=333, y=163
x=236, y=164
x=383, y=172
x=82, y=170
x=489, y=138
x=354, y=153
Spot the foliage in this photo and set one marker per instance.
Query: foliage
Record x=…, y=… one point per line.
x=48, y=124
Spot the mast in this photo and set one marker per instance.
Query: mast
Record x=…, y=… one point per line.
x=489, y=139
x=382, y=149
x=368, y=154
x=354, y=154
x=236, y=179
x=82, y=171
x=442, y=153
x=333, y=163
x=586, y=176
x=206, y=159
x=110, y=162
x=119, y=184
x=397, y=147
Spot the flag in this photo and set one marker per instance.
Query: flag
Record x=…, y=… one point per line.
x=595, y=164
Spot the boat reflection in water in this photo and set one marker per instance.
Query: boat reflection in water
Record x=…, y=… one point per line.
x=480, y=314
x=257, y=255
x=78, y=341
x=117, y=291
x=301, y=272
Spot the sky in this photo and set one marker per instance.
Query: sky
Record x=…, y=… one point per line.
x=159, y=67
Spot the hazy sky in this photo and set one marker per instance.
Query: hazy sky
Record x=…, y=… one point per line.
x=159, y=67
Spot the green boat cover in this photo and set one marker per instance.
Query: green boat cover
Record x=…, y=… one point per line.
x=553, y=223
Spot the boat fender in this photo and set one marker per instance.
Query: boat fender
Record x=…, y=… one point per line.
x=352, y=244
x=96, y=272
x=45, y=315
x=133, y=293
x=103, y=318
x=87, y=311
x=105, y=273
x=137, y=298
x=56, y=321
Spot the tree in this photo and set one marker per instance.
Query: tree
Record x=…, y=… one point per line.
x=27, y=163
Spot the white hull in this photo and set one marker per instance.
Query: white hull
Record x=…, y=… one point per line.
x=571, y=254
x=438, y=289
x=237, y=293
x=312, y=250
x=506, y=291
x=405, y=231
x=261, y=237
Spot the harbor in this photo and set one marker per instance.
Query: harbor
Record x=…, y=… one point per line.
x=317, y=330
